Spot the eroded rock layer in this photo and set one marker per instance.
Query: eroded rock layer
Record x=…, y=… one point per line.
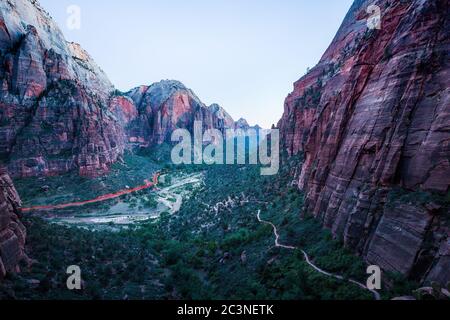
x=12, y=232
x=150, y=114
x=53, y=99
x=373, y=122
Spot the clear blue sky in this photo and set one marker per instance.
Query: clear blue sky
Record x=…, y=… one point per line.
x=242, y=54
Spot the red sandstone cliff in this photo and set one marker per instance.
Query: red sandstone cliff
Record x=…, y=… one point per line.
x=59, y=112
x=12, y=232
x=53, y=107
x=372, y=119
x=150, y=114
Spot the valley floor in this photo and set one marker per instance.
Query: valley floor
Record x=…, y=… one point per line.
x=198, y=235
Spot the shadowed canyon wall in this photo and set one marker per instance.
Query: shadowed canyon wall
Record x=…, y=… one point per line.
x=372, y=120
x=12, y=232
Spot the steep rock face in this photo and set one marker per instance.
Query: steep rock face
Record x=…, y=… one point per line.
x=59, y=112
x=53, y=99
x=12, y=231
x=372, y=119
x=164, y=107
x=224, y=120
x=242, y=124
x=150, y=114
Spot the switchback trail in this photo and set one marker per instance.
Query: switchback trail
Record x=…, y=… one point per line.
x=102, y=198
x=311, y=264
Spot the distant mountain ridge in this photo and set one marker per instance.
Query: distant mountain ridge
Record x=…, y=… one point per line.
x=59, y=112
x=150, y=114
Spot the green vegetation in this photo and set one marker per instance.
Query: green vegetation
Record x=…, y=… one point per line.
x=114, y=265
x=71, y=187
x=213, y=248
x=311, y=97
x=46, y=127
x=418, y=197
x=118, y=93
x=387, y=54
x=4, y=121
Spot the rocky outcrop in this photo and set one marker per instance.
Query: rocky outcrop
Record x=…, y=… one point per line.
x=53, y=99
x=242, y=124
x=223, y=119
x=162, y=108
x=150, y=114
x=372, y=120
x=12, y=231
x=59, y=112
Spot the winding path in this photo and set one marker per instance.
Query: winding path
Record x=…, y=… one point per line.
x=147, y=185
x=154, y=182
x=310, y=263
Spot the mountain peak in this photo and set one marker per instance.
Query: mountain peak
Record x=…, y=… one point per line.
x=170, y=84
x=242, y=124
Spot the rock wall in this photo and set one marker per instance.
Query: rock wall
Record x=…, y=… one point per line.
x=372, y=120
x=59, y=112
x=53, y=99
x=150, y=114
x=12, y=232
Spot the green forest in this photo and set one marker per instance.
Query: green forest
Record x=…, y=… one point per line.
x=214, y=247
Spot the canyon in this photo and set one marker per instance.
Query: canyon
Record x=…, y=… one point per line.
x=370, y=121
x=59, y=112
